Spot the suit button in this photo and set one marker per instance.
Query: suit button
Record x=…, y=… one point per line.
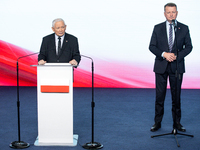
x=57, y=60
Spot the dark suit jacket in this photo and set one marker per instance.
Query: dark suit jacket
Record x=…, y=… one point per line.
x=159, y=44
x=69, y=50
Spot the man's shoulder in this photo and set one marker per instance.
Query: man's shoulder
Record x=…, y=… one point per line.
x=179, y=24
x=160, y=27
x=160, y=24
x=49, y=36
x=70, y=36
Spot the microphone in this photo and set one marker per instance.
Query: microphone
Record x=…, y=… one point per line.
x=92, y=144
x=27, y=55
x=19, y=144
x=174, y=23
x=87, y=57
x=92, y=62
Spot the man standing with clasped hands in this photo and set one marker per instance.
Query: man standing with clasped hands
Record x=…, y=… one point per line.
x=163, y=46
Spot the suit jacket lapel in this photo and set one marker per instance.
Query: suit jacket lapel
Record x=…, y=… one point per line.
x=65, y=42
x=178, y=30
x=52, y=40
x=176, y=36
x=164, y=31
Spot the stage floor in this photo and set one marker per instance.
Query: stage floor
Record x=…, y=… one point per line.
x=122, y=119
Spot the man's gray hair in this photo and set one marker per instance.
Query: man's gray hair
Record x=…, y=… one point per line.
x=57, y=20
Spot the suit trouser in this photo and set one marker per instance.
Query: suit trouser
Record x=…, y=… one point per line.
x=161, y=87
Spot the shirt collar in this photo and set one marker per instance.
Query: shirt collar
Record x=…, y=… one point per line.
x=62, y=37
x=167, y=23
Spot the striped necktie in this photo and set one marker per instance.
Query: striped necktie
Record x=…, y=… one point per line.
x=170, y=38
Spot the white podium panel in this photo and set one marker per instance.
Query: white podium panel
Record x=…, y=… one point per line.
x=55, y=104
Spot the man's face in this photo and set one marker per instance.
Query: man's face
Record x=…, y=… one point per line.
x=170, y=13
x=59, y=28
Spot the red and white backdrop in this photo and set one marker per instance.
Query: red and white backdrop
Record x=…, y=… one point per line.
x=115, y=33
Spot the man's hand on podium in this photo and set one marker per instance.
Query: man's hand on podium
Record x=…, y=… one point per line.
x=73, y=62
x=41, y=62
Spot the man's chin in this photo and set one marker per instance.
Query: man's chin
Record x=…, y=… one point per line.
x=60, y=34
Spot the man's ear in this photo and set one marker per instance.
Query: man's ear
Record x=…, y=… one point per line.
x=52, y=29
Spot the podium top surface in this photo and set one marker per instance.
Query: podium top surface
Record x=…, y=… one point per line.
x=52, y=64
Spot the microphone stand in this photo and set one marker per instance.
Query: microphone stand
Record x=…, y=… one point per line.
x=177, y=76
x=19, y=144
x=92, y=144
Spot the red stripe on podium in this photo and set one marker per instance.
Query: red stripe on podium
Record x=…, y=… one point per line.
x=54, y=89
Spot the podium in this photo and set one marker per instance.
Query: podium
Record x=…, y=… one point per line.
x=55, y=105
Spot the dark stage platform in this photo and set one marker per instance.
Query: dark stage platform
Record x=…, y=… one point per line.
x=123, y=118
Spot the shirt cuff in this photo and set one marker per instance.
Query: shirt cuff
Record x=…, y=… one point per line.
x=162, y=55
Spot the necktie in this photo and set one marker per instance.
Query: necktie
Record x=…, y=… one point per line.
x=59, y=45
x=170, y=38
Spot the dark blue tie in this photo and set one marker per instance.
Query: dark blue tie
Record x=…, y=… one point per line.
x=170, y=38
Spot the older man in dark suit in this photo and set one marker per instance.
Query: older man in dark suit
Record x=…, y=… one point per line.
x=164, y=46
x=59, y=47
